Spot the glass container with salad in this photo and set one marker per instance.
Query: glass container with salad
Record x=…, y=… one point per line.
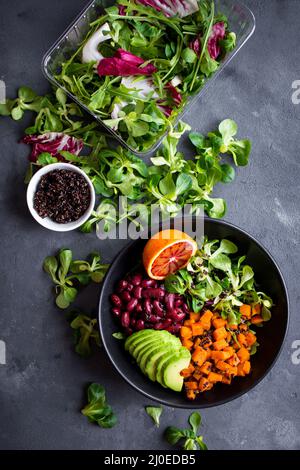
x=135, y=65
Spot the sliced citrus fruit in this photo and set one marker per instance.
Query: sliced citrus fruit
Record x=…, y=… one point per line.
x=166, y=252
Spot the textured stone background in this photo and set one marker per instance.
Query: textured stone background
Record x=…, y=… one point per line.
x=42, y=385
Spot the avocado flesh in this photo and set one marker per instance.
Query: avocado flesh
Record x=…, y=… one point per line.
x=141, y=350
x=135, y=336
x=148, y=353
x=171, y=370
x=135, y=349
x=151, y=366
x=164, y=360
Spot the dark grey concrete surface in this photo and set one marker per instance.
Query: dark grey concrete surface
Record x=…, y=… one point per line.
x=42, y=384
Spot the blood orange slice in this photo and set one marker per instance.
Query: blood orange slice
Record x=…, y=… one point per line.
x=166, y=252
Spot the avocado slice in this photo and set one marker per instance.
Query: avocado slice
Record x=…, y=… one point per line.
x=140, y=340
x=139, y=346
x=171, y=370
x=147, y=354
x=151, y=366
x=135, y=336
x=140, y=350
x=163, y=361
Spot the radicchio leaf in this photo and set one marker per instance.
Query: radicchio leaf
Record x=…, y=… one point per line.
x=124, y=64
x=218, y=32
x=181, y=8
x=122, y=10
x=53, y=143
x=174, y=93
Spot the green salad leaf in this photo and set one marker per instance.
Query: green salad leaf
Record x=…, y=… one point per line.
x=154, y=412
x=189, y=437
x=97, y=410
x=217, y=277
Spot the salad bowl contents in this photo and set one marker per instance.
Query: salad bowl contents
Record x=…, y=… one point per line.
x=60, y=197
x=141, y=61
x=197, y=329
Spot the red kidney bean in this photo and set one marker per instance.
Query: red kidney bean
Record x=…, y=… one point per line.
x=130, y=287
x=139, y=308
x=137, y=279
x=167, y=322
x=177, y=315
x=140, y=325
x=169, y=300
x=159, y=326
x=175, y=328
x=117, y=312
x=116, y=300
x=132, y=304
x=149, y=283
x=158, y=309
x=148, y=306
x=156, y=293
x=185, y=308
x=133, y=322
x=178, y=303
x=153, y=319
x=122, y=285
x=137, y=292
x=126, y=296
x=125, y=320
x=128, y=331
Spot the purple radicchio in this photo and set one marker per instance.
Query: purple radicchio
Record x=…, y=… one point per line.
x=53, y=143
x=218, y=32
x=124, y=64
x=181, y=8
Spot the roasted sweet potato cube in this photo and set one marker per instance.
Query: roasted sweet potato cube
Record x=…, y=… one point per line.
x=186, y=332
x=257, y=320
x=206, y=368
x=256, y=310
x=251, y=339
x=199, y=356
x=197, y=329
x=214, y=377
x=245, y=310
x=204, y=384
x=194, y=317
x=220, y=333
x=247, y=367
x=205, y=320
x=219, y=345
x=191, y=395
x=243, y=354
x=191, y=385
x=218, y=322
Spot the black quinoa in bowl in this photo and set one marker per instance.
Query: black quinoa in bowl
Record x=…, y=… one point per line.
x=62, y=195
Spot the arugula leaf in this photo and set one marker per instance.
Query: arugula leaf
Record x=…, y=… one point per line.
x=154, y=412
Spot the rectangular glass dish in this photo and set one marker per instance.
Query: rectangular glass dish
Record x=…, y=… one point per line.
x=241, y=21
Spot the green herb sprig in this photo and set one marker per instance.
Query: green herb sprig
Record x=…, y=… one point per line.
x=189, y=437
x=97, y=410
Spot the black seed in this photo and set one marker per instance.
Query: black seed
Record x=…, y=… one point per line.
x=62, y=195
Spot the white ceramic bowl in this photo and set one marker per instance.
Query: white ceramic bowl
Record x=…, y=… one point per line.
x=47, y=222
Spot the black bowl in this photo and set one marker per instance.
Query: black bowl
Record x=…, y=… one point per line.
x=270, y=337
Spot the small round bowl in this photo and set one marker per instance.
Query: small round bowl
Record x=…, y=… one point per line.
x=47, y=222
x=270, y=337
